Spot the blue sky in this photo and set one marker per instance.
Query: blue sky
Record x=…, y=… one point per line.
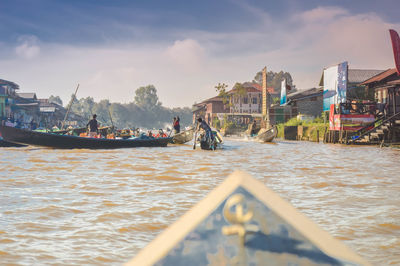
x=185, y=48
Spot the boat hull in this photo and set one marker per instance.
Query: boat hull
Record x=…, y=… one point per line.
x=183, y=137
x=268, y=135
x=22, y=136
x=4, y=143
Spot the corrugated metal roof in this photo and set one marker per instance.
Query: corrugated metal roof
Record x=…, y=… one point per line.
x=361, y=75
x=380, y=77
x=27, y=95
x=9, y=83
x=356, y=75
x=305, y=93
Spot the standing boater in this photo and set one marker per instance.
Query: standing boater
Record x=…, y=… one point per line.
x=203, y=125
x=93, y=127
x=177, y=126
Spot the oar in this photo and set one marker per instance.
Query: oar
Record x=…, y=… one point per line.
x=112, y=123
x=195, y=137
x=172, y=129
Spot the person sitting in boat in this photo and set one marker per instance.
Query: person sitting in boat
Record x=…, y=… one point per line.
x=177, y=126
x=93, y=127
x=161, y=134
x=150, y=134
x=203, y=125
x=253, y=128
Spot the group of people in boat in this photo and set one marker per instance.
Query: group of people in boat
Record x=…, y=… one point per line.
x=94, y=125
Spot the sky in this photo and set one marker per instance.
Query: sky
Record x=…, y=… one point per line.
x=183, y=47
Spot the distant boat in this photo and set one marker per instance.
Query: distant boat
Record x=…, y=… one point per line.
x=23, y=136
x=184, y=136
x=266, y=135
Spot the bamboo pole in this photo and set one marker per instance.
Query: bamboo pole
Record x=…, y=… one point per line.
x=69, y=108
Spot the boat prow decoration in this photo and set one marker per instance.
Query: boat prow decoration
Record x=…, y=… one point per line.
x=242, y=222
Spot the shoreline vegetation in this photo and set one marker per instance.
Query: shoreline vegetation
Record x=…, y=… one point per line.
x=145, y=111
x=310, y=129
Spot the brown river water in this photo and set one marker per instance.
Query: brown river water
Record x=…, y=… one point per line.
x=100, y=207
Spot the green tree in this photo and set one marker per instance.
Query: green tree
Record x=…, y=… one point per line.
x=56, y=100
x=146, y=97
x=101, y=109
x=221, y=89
x=274, y=79
x=240, y=91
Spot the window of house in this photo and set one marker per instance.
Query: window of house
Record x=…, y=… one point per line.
x=254, y=100
x=245, y=100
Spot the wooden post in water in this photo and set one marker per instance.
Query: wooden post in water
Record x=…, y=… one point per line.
x=317, y=140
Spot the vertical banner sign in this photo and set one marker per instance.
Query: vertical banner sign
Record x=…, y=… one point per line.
x=396, y=49
x=335, y=85
x=342, y=83
x=330, y=86
x=283, y=91
x=264, y=91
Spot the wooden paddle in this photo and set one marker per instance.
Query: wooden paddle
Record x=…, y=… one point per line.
x=195, y=137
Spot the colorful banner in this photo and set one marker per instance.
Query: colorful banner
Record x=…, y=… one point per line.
x=335, y=85
x=283, y=91
x=396, y=49
x=330, y=86
x=342, y=83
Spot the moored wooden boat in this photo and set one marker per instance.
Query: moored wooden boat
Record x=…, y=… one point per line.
x=266, y=135
x=184, y=136
x=4, y=143
x=23, y=136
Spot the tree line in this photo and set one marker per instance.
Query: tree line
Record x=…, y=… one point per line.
x=145, y=111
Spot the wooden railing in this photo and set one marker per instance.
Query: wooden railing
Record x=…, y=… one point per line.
x=381, y=120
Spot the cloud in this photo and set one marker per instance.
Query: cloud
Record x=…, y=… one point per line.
x=187, y=68
x=187, y=54
x=27, y=47
x=321, y=14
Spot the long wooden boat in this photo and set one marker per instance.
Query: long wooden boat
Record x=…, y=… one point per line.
x=183, y=137
x=4, y=143
x=23, y=136
x=266, y=135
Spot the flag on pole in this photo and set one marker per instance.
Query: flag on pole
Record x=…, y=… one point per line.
x=283, y=92
x=396, y=49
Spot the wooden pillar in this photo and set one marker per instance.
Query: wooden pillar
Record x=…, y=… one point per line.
x=394, y=100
